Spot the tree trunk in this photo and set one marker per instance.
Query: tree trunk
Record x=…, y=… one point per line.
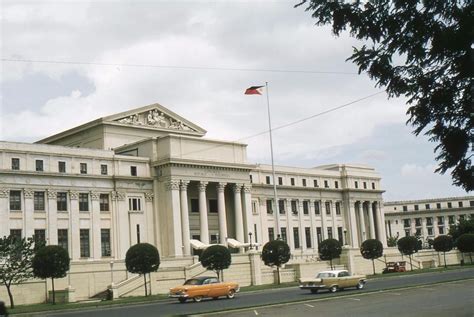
x=411, y=265
x=278, y=273
x=54, y=295
x=218, y=275
x=330, y=263
x=12, y=304
x=144, y=278
x=470, y=255
x=373, y=265
x=444, y=255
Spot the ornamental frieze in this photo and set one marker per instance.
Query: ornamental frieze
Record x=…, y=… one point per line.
x=155, y=119
x=95, y=196
x=52, y=194
x=4, y=193
x=118, y=195
x=148, y=196
x=28, y=193
x=73, y=194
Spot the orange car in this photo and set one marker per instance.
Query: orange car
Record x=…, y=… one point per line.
x=204, y=286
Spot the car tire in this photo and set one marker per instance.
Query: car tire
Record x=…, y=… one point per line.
x=197, y=299
x=360, y=285
x=333, y=289
x=182, y=300
x=314, y=291
x=231, y=293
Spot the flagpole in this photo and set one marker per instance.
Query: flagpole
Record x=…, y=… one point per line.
x=277, y=214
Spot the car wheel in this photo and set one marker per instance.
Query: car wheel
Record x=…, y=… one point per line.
x=231, y=293
x=360, y=285
x=197, y=299
x=314, y=291
x=182, y=300
x=333, y=289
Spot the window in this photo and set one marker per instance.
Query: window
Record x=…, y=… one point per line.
x=329, y=232
x=430, y=231
x=105, y=242
x=451, y=220
x=292, y=181
x=406, y=223
x=281, y=206
x=294, y=207
x=194, y=205
x=103, y=169
x=40, y=236
x=365, y=185
x=336, y=184
x=138, y=233
x=269, y=206
x=450, y=205
x=213, y=205
x=280, y=180
x=254, y=208
x=83, y=168
x=304, y=182
x=104, y=202
x=63, y=239
x=39, y=165
x=460, y=205
x=83, y=202
x=133, y=170
x=15, y=164
x=427, y=206
x=471, y=203
x=61, y=201
x=134, y=204
x=438, y=205
x=305, y=207
x=416, y=207
x=429, y=221
x=373, y=185
x=251, y=179
x=271, y=234
x=356, y=184
x=340, y=237
x=283, y=233
x=213, y=239
x=440, y=220
x=38, y=201
x=326, y=184
x=405, y=208
x=418, y=232
x=84, y=243
x=407, y=233
x=315, y=183
x=267, y=179
x=255, y=232
x=441, y=230
x=462, y=217
x=338, y=208
x=15, y=200
x=15, y=234
x=61, y=167
x=307, y=233
x=328, y=207
x=319, y=234
x=296, y=237
x=417, y=222
x=317, y=210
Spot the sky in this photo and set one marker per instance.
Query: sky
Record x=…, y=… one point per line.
x=88, y=59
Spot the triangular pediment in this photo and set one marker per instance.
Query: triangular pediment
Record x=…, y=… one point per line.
x=157, y=117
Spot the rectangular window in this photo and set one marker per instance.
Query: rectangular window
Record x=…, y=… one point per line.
x=134, y=204
x=326, y=184
x=356, y=184
x=255, y=232
x=471, y=203
x=15, y=234
x=39, y=165
x=281, y=206
x=418, y=232
x=251, y=179
x=254, y=208
x=61, y=201
x=338, y=208
x=15, y=164
x=271, y=234
x=267, y=180
x=105, y=242
x=460, y=205
x=304, y=182
x=317, y=210
x=305, y=207
x=40, y=236
x=133, y=170
x=213, y=206
x=373, y=185
x=280, y=180
x=336, y=184
x=63, y=239
x=415, y=207
x=269, y=206
x=417, y=222
x=328, y=207
x=61, y=167
x=329, y=232
x=407, y=233
x=440, y=220
x=104, y=202
x=406, y=223
x=427, y=206
x=283, y=233
x=84, y=243
x=296, y=237
x=340, y=237
x=451, y=220
x=307, y=233
x=462, y=217
x=430, y=231
x=292, y=181
x=405, y=208
x=103, y=169
x=365, y=185
x=450, y=205
x=429, y=221
x=441, y=230
x=294, y=207
x=83, y=168
x=438, y=205
x=194, y=205
x=319, y=234
x=213, y=239
x=38, y=201
x=15, y=200
x=83, y=202
x=315, y=183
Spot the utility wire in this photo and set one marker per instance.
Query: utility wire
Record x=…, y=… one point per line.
x=178, y=67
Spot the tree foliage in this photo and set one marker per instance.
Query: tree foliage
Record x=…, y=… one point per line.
x=142, y=258
x=443, y=244
x=420, y=50
x=462, y=227
x=16, y=256
x=216, y=258
x=465, y=244
x=407, y=246
x=329, y=249
x=371, y=249
x=51, y=261
x=276, y=253
x=392, y=241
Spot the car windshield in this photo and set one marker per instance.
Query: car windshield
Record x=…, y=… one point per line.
x=193, y=281
x=325, y=274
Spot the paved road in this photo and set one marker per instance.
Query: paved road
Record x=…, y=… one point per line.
x=275, y=296
x=448, y=299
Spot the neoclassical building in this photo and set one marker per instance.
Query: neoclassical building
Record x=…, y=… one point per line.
x=149, y=175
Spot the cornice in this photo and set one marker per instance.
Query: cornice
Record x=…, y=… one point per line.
x=203, y=165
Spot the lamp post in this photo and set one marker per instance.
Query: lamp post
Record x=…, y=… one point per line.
x=345, y=236
x=111, y=272
x=250, y=239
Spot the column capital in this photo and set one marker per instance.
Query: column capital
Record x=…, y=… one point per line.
x=184, y=185
x=4, y=193
x=73, y=194
x=94, y=195
x=28, y=193
x=52, y=193
x=172, y=185
x=247, y=188
x=116, y=195
x=221, y=187
x=148, y=196
x=237, y=188
x=202, y=186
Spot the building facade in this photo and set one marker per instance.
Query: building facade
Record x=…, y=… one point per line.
x=149, y=175
x=426, y=218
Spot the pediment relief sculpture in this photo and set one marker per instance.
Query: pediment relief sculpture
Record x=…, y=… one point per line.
x=155, y=119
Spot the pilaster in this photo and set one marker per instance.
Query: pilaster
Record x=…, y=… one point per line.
x=203, y=221
x=185, y=217
x=95, y=226
x=176, y=239
x=52, y=217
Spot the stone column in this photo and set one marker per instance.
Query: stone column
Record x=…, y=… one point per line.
x=314, y=237
x=371, y=221
x=149, y=221
x=239, y=223
x=74, y=225
x=122, y=224
x=203, y=223
x=176, y=239
x=28, y=213
x=52, y=217
x=361, y=222
x=222, y=213
x=95, y=226
x=248, y=212
x=185, y=217
x=4, y=216
x=289, y=225
x=334, y=222
x=322, y=209
x=382, y=234
x=301, y=226
x=353, y=225
x=424, y=230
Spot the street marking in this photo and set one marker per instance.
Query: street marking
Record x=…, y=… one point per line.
x=256, y=312
x=428, y=289
x=398, y=294
x=357, y=299
x=309, y=305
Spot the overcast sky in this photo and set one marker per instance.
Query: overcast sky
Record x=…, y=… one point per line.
x=39, y=99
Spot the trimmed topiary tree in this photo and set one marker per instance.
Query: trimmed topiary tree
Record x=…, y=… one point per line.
x=276, y=253
x=371, y=249
x=51, y=261
x=443, y=244
x=216, y=258
x=407, y=246
x=465, y=244
x=329, y=249
x=142, y=258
